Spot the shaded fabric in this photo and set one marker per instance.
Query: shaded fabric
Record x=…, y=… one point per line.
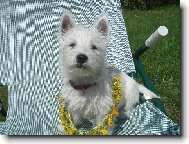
x=147, y=120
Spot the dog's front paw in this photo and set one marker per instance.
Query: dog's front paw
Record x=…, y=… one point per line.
x=128, y=114
x=61, y=129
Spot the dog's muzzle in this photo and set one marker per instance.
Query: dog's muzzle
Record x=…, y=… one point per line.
x=81, y=59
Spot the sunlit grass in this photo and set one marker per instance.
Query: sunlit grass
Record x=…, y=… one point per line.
x=162, y=61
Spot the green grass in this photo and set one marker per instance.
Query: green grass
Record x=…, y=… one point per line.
x=4, y=99
x=162, y=61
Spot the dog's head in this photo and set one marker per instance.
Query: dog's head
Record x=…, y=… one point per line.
x=82, y=50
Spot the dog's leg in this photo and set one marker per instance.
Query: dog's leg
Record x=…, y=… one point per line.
x=76, y=119
x=131, y=90
x=130, y=95
x=147, y=93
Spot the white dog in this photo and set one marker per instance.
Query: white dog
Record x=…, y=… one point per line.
x=88, y=81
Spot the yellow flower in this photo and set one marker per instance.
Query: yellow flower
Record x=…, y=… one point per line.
x=92, y=133
x=115, y=83
x=119, y=87
x=69, y=131
x=115, y=111
x=110, y=120
x=104, y=132
x=116, y=102
x=114, y=92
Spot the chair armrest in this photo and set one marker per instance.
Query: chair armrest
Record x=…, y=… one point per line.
x=154, y=38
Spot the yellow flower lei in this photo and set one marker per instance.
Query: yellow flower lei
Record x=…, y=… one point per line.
x=101, y=129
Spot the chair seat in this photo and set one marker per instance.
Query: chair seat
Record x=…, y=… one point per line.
x=145, y=120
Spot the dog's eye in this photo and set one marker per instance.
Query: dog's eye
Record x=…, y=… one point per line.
x=93, y=47
x=72, y=44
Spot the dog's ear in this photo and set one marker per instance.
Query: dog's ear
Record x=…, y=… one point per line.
x=102, y=25
x=67, y=22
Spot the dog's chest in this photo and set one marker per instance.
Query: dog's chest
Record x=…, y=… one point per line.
x=92, y=103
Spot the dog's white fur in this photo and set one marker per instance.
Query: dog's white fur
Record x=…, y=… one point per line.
x=95, y=102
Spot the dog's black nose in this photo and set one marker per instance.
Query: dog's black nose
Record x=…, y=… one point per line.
x=81, y=58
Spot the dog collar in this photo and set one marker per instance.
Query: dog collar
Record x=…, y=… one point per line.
x=81, y=87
